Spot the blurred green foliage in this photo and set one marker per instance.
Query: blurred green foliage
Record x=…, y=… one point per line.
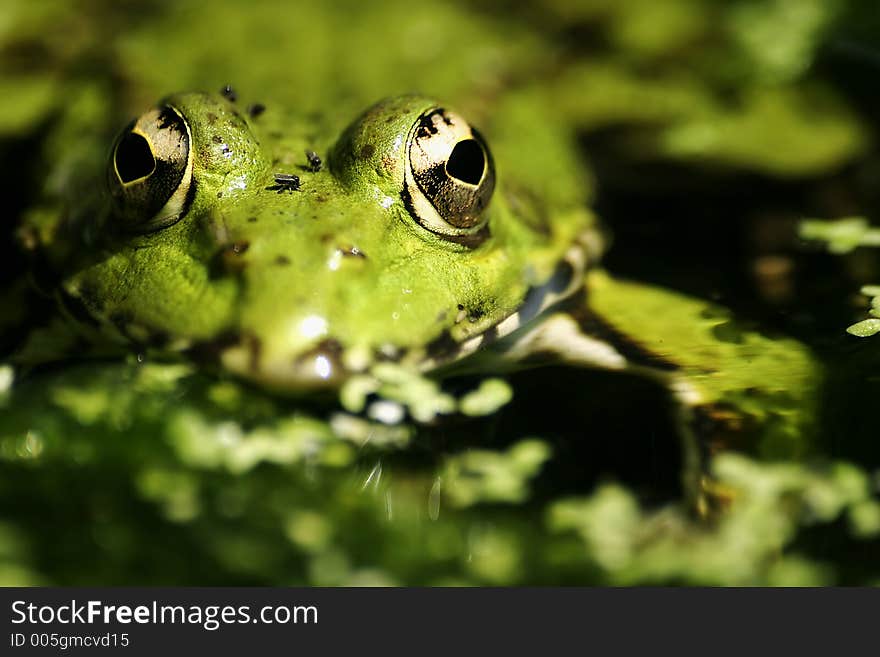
x=121, y=473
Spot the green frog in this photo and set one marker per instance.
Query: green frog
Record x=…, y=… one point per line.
x=299, y=252
x=299, y=247
x=300, y=234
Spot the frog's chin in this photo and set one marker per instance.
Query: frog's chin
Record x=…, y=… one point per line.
x=319, y=368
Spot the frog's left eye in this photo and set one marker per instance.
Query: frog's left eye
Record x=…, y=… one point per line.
x=150, y=170
x=449, y=175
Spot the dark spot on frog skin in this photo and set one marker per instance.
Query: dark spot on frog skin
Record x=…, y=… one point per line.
x=252, y=220
x=285, y=182
x=314, y=160
x=255, y=110
x=212, y=118
x=475, y=314
x=217, y=139
x=282, y=260
x=229, y=93
x=220, y=194
x=367, y=151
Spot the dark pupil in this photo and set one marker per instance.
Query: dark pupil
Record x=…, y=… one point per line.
x=133, y=158
x=466, y=162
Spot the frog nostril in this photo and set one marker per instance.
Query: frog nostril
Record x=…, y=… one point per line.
x=467, y=162
x=134, y=159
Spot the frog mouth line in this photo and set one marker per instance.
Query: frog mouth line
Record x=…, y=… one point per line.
x=565, y=280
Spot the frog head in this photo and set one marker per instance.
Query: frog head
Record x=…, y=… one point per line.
x=295, y=250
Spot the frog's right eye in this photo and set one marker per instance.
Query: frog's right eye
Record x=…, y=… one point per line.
x=150, y=171
x=449, y=176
